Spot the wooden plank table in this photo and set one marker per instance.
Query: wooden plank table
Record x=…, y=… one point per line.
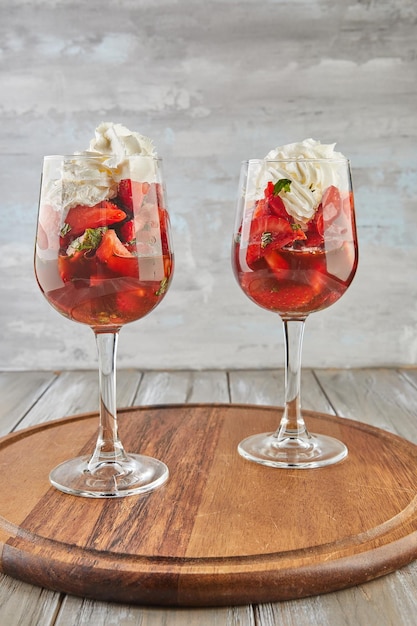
x=386, y=398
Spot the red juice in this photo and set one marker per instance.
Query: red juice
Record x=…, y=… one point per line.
x=104, y=301
x=299, y=281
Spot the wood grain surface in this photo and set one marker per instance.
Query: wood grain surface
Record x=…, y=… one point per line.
x=383, y=397
x=222, y=531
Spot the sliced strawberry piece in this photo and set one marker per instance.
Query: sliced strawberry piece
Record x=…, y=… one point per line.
x=164, y=226
x=131, y=193
x=271, y=205
x=81, y=217
x=278, y=264
x=332, y=204
x=314, y=233
x=299, y=234
x=79, y=266
x=261, y=209
x=337, y=216
x=277, y=206
x=125, y=193
x=111, y=245
x=319, y=223
x=127, y=231
x=266, y=234
x=112, y=254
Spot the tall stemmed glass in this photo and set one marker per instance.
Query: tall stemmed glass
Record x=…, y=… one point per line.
x=294, y=253
x=104, y=264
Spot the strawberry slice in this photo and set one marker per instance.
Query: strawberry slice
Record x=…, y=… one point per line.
x=131, y=193
x=164, y=226
x=315, y=229
x=81, y=217
x=126, y=231
x=270, y=205
x=275, y=203
x=278, y=264
x=125, y=193
x=79, y=266
x=266, y=234
x=113, y=255
x=337, y=216
x=277, y=206
x=261, y=209
x=332, y=204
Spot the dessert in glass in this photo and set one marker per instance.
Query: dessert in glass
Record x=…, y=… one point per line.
x=294, y=253
x=103, y=257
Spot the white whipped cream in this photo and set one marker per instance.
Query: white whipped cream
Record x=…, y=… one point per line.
x=309, y=179
x=87, y=181
x=116, y=142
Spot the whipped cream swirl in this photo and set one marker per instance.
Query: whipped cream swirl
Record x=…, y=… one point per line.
x=308, y=165
x=116, y=142
x=91, y=176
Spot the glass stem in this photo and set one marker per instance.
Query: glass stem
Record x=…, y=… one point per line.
x=292, y=423
x=109, y=448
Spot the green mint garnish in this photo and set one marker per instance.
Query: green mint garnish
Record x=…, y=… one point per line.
x=266, y=238
x=163, y=286
x=283, y=184
x=91, y=238
x=296, y=226
x=65, y=229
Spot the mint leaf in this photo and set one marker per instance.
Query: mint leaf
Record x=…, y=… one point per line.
x=283, y=184
x=266, y=238
x=65, y=229
x=91, y=238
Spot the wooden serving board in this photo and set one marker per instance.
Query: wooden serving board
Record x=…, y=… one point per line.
x=222, y=530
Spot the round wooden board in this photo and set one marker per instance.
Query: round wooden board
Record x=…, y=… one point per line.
x=222, y=530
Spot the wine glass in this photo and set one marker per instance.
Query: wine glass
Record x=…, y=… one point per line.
x=294, y=253
x=103, y=257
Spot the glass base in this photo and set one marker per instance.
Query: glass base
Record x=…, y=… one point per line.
x=293, y=452
x=110, y=479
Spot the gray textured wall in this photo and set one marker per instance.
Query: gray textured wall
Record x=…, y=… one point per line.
x=215, y=82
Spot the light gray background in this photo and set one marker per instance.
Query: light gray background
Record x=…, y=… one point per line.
x=215, y=82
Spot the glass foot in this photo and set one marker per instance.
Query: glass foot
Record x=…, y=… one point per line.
x=110, y=479
x=293, y=452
